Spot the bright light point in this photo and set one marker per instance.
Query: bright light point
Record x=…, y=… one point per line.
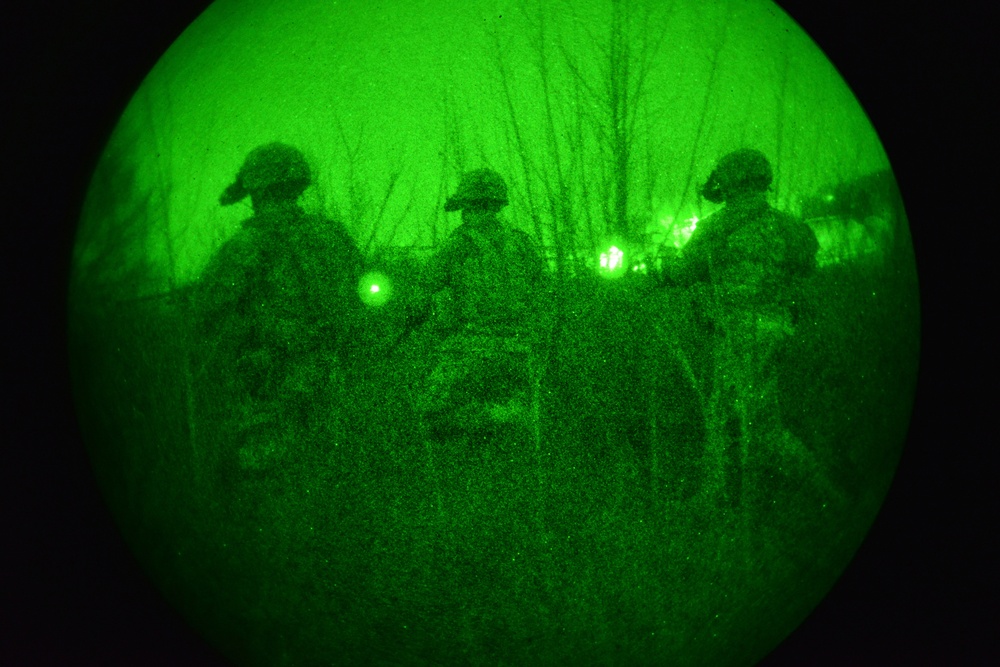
x=614, y=258
x=612, y=262
x=375, y=289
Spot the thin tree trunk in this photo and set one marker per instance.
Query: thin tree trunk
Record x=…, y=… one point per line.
x=702, y=119
x=780, y=114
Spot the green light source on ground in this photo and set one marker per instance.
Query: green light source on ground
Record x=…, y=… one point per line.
x=289, y=501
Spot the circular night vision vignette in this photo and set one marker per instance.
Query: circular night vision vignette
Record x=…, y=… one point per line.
x=628, y=527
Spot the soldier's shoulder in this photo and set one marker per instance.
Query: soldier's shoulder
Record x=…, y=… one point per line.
x=247, y=239
x=797, y=227
x=705, y=230
x=521, y=239
x=786, y=222
x=342, y=237
x=241, y=247
x=460, y=240
x=321, y=231
x=799, y=238
x=788, y=219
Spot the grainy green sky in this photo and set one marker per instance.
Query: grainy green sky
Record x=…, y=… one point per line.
x=414, y=86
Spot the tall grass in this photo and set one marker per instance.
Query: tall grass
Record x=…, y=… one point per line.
x=578, y=543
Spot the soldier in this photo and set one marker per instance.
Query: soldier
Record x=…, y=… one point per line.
x=745, y=265
x=485, y=284
x=276, y=303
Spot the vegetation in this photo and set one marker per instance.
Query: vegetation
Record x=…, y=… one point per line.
x=596, y=548
x=604, y=541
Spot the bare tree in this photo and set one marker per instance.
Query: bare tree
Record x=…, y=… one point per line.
x=370, y=213
x=705, y=117
x=586, y=179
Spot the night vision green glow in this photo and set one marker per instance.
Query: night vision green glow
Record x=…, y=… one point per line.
x=421, y=332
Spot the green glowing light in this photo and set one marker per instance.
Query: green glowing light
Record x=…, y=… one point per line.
x=375, y=289
x=612, y=262
x=612, y=259
x=672, y=466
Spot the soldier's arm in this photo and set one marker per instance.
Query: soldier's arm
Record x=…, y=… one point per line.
x=691, y=265
x=220, y=287
x=345, y=266
x=437, y=273
x=433, y=278
x=350, y=254
x=535, y=263
x=331, y=268
x=803, y=248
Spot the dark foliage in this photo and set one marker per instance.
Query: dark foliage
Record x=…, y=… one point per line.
x=596, y=544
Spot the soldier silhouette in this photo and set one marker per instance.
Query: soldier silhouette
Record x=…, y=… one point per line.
x=276, y=305
x=483, y=286
x=745, y=265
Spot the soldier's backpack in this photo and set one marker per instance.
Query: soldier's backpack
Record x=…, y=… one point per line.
x=496, y=282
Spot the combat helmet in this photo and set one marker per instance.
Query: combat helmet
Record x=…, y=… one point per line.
x=744, y=171
x=266, y=167
x=479, y=187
